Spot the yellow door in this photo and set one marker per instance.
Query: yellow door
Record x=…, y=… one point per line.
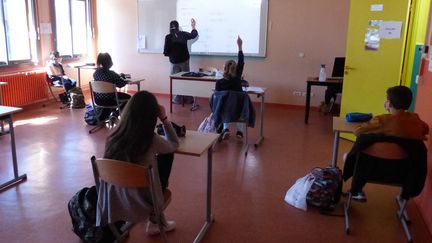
x=373, y=63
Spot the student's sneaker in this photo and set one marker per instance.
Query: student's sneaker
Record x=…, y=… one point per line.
x=239, y=135
x=153, y=229
x=359, y=196
x=225, y=134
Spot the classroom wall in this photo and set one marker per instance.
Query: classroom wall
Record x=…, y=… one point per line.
x=313, y=27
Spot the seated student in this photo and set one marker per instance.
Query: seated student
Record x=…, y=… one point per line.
x=56, y=73
x=403, y=127
x=232, y=81
x=103, y=73
x=330, y=93
x=135, y=141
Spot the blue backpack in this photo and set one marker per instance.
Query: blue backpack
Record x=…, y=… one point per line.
x=90, y=115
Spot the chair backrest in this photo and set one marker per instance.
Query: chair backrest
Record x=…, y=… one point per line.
x=231, y=106
x=338, y=67
x=98, y=88
x=121, y=173
x=386, y=150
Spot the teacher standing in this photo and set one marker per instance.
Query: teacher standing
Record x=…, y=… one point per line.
x=176, y=47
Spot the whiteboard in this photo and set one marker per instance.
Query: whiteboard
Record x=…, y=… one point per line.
x=219, y=22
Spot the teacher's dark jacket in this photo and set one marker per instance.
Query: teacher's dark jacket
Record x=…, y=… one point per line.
x=176, y=46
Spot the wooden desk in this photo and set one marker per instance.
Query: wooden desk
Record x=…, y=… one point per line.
x=201, y=86
x=6, y=114
x=79, y=66
x=136, y=82
x=195, y=144
x=314, y=81
x=340, y=125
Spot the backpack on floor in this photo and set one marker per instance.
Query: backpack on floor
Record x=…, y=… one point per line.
x=82, y=209
x=326, y=189
x=76, y=98
x=208, y=124
x=90, y=115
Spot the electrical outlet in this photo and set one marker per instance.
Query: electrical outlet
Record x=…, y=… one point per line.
x=304, y=94
x=297, y=93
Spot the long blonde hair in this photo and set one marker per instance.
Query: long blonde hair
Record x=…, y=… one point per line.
x=230, y=69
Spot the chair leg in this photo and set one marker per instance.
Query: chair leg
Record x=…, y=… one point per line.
x=347, y=206
x=400, y=202
x=52, y=93
x=195, y=104
x=97, y=127
x=245, y=141
x=401, y=214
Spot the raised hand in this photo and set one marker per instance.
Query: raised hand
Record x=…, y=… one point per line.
x=239, y=42
x=162, y=113
x=193, y=23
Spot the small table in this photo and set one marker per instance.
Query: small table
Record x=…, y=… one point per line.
x=314, y=81
x=137, y=82
x=260, y=92
x=78, y=66
x=6, y=114
x=195, y=144
x=340, y=125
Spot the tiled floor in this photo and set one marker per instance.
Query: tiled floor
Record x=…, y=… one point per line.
x=54, y=149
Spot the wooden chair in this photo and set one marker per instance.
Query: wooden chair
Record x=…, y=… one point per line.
x=129, y=175
x=385, y=151
x=98, y=89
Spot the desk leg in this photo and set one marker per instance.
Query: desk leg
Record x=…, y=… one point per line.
x=261, y=137
x=335, y=148
x=170, y=101
x=79, y=77
x=17, y=178
x=308, y=95
x=209, y=216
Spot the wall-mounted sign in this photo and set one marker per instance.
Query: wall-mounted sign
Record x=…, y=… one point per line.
x=390, y=29
x=377, y=7
x=372, y=39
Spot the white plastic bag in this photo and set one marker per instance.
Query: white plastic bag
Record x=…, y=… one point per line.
x=208, y=124
x=296, y=195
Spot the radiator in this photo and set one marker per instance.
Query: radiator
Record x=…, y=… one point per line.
x=24, y=88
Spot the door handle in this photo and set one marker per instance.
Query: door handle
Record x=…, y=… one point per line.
x=347, y=69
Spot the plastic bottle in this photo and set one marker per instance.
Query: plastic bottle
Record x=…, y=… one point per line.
x=322, y=74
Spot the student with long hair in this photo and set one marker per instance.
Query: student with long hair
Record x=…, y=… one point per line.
x=231, y=80
x=134, y=140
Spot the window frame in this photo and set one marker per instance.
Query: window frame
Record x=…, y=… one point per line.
x=89, y=24
x=16, y=63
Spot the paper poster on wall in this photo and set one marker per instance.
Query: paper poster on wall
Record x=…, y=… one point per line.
x=390, y=29
x=375, y=23
x=377, y=7
x=372, y=39
x=141, y=43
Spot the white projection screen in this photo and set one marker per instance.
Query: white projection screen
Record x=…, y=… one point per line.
x=219, y=22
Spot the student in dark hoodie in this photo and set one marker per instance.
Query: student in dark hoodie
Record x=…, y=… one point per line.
x=176, y=48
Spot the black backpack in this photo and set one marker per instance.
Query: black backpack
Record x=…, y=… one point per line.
x=82, y=209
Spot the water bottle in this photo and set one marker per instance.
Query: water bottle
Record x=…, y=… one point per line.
x=322, y=74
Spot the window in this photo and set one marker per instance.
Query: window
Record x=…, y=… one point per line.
x=72, y=27
x=18, y=38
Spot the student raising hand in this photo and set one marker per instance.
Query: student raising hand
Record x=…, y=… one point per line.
x=239, y=43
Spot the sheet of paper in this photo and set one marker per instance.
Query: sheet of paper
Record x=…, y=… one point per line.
x=390, y=29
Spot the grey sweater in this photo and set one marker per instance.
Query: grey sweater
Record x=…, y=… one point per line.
x=130, y=204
